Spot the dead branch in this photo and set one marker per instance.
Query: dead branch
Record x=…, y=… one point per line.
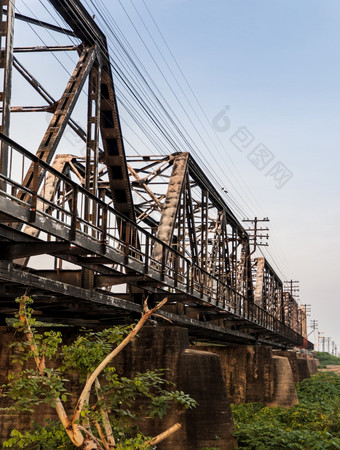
x=145, y=316
x=101, y=435
x=160, y=437
x=105, y=418
x=76, y=438
x=99, y=447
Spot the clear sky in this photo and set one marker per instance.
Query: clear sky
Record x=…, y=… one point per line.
x=275, y=65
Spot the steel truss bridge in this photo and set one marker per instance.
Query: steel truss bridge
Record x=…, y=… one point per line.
x=112, y=230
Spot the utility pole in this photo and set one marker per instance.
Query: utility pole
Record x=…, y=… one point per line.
x=320, y=333
x=306, y=309
x=255, y=232
x=292, y=286
x=328, y=344
x=313, y=325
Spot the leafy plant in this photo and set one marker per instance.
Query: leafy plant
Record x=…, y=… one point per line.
x=312, y=424
x=109, y=405
x=326, y=359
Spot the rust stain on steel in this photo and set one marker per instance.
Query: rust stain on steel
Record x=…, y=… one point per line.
x=171, y=204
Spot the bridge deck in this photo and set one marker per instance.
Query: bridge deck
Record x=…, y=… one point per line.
x=65, y=233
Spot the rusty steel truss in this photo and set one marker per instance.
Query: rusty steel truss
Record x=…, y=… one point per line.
x=111, y=229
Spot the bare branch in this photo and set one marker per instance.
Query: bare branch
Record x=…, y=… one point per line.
x=162, y=317
x=145, y=316
x=105, y=418
x=160, y=437
x=76, y=438
x=101, y=434
x=91, y=436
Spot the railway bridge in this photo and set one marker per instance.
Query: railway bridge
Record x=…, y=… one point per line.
x=90, y=237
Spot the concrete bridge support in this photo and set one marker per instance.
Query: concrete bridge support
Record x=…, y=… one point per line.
x=303, y=365
x=312, y=365
x=259, y=374
x=303, y=368
x=196, y=372
x=284, y=392
x=292, y=358
x=248, y=372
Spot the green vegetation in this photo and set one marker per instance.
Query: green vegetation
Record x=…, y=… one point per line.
x=313, y=424
x=110, y=406
x=326, y=359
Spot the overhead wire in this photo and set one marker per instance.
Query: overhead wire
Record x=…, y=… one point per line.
x=193, y=151
x=239, y=176
x=160, y=122
x=239, y=209
x=188, y=85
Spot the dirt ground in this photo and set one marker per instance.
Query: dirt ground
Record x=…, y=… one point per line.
x=335, y=369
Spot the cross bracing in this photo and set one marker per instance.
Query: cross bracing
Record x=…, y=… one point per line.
x=115, y=229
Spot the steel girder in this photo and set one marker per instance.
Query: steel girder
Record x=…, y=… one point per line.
x=103, y=120
x=177, y=202
x=6, y=60
x=85, y=28
x=68, y=235
x=268, y=288
x=269, y=294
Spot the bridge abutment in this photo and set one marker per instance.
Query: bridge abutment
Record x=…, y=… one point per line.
x=261, y=374
x=213, y=375
x=247, y=370
x=197, y=373
x=284, y=392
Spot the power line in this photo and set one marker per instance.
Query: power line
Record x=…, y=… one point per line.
x=138, y=89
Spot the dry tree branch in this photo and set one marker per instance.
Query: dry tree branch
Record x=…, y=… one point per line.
x=162, y=317
x=91, y=436
x=105, y=418
x=160, y=437
x=101, y=435
x=145, y=316
x=40, y=363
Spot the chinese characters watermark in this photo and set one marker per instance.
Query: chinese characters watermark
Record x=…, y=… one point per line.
x=259, y=155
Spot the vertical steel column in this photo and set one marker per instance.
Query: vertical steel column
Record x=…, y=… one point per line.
x=191, y=221
x=92, y=157
x=6, y=61
x=204, y=228
x=171, y=205
x=93, y=117
x=259, y=286
x=92, y=141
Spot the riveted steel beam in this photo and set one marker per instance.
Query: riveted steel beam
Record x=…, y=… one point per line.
x=63, y=111
x=6, y=60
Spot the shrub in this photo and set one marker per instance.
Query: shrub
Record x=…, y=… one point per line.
x=326, y=359
x=313, y=424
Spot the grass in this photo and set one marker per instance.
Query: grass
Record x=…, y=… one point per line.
x=326, y=359
x=312, y=424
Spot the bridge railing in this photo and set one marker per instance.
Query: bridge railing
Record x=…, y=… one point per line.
x=56, y=199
